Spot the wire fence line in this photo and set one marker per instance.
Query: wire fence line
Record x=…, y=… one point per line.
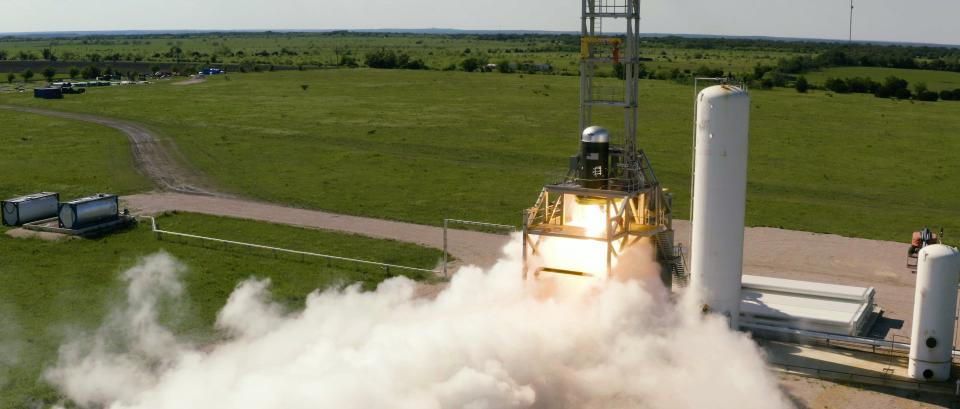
x=386, y=266
x=446, y=226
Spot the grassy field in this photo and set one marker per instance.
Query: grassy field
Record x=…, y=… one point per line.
x=49, y=290
x=421, y=146
x=438, y=51
x=74, y=158
x=935, y=80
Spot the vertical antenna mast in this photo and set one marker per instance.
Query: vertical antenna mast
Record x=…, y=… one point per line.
x=850, y=39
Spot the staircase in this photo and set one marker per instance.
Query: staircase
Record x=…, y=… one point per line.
x=680, y=276
x=665, y=245
x=674, y=256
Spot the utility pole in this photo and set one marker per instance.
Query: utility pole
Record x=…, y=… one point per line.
x=850, y=39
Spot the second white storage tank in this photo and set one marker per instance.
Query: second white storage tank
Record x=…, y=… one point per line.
x=934, y=310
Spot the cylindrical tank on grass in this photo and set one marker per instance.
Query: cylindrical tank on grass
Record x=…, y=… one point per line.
x=719, y=198
x=29, y=208
x=934, y=309
x=88, y=211
x=595, y=157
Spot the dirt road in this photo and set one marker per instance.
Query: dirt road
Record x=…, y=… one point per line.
x=151, y=157
x=186, y=192
x=192, y=81
x=481, y=249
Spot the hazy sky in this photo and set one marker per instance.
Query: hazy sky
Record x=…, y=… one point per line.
x=933, y=21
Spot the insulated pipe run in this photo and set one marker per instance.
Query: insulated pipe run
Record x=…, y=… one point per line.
x=799, y=333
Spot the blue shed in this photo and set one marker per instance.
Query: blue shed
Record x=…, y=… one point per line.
x=48, y=93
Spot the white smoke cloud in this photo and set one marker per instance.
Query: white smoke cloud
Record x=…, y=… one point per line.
x=487, y=341
x=10, y=344
x=131, y=350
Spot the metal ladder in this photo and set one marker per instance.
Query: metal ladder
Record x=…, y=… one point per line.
x=675, y=256
x=680, y=275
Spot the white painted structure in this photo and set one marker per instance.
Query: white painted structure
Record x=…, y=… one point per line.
x=934, y=309
x=804, y=305
x=719, y=198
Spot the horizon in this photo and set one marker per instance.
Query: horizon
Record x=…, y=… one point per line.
x=438, y=31
x=920, y=22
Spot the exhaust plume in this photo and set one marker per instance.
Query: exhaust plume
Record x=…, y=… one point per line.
x=489, y=340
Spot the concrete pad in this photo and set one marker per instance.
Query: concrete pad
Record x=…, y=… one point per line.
x=882, y=367
x=21, y=233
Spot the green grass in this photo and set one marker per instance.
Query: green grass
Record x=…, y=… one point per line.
x=308, y=240
x=935, y=80
x=49, y=290
x=854, y=165
x=421, y=146
x=438, y=51
x=74, y=158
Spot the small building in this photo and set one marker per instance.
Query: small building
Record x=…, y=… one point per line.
x=48, y=93
x=211, y=71
x=532, y=67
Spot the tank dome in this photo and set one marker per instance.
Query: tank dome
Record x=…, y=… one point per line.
x=595, y=134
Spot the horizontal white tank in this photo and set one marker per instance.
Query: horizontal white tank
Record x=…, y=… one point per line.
x=30, y=208
x=88, y=211
x=934, y=309
x=719, y=198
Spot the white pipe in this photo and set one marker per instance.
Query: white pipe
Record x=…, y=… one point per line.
x=153, y=225
x=872, y=342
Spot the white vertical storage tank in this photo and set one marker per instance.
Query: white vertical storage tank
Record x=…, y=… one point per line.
x=934, y=307
x=719, y=198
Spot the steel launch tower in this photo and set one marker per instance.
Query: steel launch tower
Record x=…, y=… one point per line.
x=610, y=172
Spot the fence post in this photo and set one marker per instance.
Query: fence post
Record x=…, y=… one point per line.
x=445, y=222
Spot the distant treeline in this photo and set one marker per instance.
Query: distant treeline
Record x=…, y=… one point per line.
x=878, y=57
x=891, y=87
x=811, y=55
x=507, y=53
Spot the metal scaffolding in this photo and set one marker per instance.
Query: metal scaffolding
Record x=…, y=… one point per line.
x=633, y=201
x=618, y=54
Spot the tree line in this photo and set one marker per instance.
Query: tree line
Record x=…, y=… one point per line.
x=891, y=87
x=90, y=72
